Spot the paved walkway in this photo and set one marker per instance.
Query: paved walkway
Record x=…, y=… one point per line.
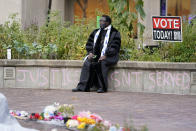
x=158, y=112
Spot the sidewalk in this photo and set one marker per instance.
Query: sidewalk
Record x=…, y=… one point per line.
x=158, y=112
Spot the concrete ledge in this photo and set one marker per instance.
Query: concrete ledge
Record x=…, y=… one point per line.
x=132, y=76
x=79, y=63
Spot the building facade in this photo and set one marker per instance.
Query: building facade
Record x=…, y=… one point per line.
x=35, y=11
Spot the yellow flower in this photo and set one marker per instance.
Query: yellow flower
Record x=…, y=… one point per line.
x=92, y=121
x=67, y=123
x=40, y=118
x=86, y=120
x=82, y=125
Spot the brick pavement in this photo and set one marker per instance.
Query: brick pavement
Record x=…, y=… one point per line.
x=159, y=112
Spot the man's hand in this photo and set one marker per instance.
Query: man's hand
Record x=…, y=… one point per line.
x=90, y=56
x=102, y=58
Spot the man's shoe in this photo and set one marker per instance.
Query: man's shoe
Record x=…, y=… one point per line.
x=76, y=90
x=100, y=91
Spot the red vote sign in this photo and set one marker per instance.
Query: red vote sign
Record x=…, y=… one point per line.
x=167, y=28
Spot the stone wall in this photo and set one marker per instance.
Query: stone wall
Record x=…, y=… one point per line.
x=34, y=12
x=152, y=77
x=8, y=7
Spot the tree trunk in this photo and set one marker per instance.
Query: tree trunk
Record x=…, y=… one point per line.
x=83, y=6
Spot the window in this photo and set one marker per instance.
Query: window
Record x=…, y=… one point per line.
x=178, y=7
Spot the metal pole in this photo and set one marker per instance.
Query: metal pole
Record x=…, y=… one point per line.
x=49, y=9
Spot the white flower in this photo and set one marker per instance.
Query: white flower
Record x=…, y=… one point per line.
x=49, y=111
x=56, y=104
x=24, y=113
x=72, y=123
x=107, y=123
x=46, y=115
x=113, y=128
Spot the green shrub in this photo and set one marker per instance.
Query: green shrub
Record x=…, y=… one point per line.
x=170, y=51
x=183, y=51
x=53, y=40
x=10, y=35
x=62, y=40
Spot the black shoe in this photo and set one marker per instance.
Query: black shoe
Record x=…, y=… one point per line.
x=100, y=91
x=76, y=90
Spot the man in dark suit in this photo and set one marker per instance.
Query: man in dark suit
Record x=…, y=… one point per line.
x=103, y=48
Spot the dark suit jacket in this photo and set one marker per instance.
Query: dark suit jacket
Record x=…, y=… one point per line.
x=113, y=47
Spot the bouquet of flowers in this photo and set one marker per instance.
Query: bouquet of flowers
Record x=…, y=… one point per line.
x=90, y=121
x=52, y=112
x=19, y=114
x=64, y=115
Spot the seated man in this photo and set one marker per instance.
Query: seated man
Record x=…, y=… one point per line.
x=103, y=48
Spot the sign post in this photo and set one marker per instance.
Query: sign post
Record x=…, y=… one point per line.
x=167, y=28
